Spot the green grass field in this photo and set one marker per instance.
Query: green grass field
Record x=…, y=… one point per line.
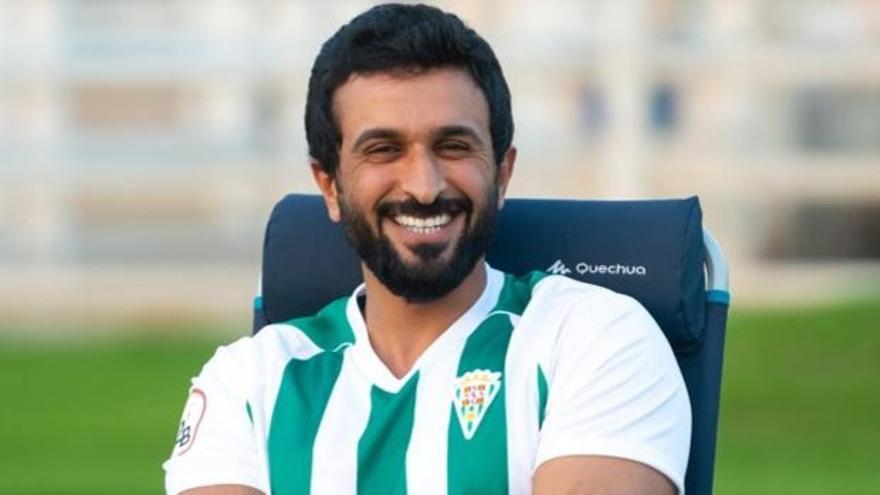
x=800, y=407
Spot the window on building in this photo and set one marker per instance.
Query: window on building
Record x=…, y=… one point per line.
x=267, y=117
x=663, y=110
x=827, y=231
x=593, y=112
x=835, y=119
x=105, y=107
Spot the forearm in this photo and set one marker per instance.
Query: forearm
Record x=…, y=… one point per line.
x=223, y=490
x=593, y=475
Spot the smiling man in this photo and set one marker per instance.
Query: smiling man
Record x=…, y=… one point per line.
x=440, y=374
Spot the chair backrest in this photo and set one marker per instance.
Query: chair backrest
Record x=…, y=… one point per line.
x=655, y=251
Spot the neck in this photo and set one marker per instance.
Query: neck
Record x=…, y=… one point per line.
x=400, y=331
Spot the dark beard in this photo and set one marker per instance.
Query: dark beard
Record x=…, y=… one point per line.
x=432, y=278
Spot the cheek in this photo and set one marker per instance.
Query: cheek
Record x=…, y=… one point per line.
x=475, y=182
x=364, y=190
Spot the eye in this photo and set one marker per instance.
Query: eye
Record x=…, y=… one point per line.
x=381, y=151
x=453, y=147
x=382, y=148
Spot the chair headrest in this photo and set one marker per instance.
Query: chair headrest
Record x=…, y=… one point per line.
x=651, y=250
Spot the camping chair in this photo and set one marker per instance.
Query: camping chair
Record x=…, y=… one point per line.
x=655, y=251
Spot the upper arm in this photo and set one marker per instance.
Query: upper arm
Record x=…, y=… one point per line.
x=617, y=404
x=584, y=475
x=217, y=446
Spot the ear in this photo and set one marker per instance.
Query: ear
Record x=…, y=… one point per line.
x=327, y=184
x=505, y=171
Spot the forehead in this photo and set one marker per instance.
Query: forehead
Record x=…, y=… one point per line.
x=410, y=103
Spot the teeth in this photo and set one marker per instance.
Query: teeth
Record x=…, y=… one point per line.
x=423, y=225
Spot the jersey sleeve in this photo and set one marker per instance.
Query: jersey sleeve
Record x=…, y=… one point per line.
x=216, y=441
x=615, y=390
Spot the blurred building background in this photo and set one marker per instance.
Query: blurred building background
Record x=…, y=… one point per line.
x=143, y=142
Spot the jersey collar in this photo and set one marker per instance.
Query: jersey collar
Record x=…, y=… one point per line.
x=375, y=370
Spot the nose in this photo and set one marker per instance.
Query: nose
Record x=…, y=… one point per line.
x=421, y=177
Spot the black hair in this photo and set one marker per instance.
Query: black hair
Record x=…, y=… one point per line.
x=408, y=38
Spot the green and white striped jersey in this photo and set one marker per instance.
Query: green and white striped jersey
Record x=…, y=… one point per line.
x=539, y=367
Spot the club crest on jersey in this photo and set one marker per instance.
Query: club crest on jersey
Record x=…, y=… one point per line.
x=193, y=413
x=474, y=392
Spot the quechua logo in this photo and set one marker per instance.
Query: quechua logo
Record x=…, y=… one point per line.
x=583, y=268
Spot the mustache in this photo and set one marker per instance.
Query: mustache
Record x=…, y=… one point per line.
x=411, y=207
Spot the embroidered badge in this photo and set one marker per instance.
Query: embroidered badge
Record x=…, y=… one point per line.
x=474, y=392
x=193, y=413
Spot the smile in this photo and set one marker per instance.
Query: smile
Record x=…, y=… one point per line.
x=423, y=225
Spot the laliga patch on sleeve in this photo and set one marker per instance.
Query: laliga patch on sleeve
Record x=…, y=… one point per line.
x=193, y=413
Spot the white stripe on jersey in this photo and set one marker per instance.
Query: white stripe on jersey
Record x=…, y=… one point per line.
x=335, y=453
x=521, y=370
x=426, y=456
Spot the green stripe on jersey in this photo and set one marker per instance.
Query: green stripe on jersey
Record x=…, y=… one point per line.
x=542, y=396
x=382, y=447
x=479, y=464
x=329, y=328
x=517, y=292
x=302, y=399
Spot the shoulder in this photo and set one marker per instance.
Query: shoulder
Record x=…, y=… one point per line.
x=538, y=290
x=559, y=301
x=564, y=292
x=565, y=317
x=276, y=344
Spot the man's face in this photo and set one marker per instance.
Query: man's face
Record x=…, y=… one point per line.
x=417, y=188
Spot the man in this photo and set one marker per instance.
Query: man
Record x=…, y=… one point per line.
x=439, y=374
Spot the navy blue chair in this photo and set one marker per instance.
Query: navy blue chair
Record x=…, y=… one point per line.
x=656, y=251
